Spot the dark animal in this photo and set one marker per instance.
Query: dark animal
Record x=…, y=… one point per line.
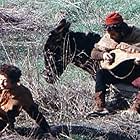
x=64, y=46
x=86, y=130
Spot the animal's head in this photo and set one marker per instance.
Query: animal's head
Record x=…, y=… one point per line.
x=57, y=35
x=64, y=46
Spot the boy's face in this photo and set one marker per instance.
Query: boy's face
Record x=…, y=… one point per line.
x=5, y=83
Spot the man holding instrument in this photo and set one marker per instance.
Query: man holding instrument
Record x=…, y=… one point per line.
x=125, y=39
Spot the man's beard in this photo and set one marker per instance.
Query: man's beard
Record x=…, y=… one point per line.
x=119, y=38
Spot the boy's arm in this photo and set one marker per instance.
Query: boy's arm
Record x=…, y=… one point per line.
x=38, y=117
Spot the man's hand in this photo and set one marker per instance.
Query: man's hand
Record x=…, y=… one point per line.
x=137, y=61
x=108, y=57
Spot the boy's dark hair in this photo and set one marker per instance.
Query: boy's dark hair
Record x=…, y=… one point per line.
x=12, y=72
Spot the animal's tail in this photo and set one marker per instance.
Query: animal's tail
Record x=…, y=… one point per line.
x=77, y=130
x=91, y=131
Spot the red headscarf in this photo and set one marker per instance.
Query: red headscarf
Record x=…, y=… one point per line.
x=113, y=18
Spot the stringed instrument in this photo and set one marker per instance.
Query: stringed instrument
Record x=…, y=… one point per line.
x=119, y=56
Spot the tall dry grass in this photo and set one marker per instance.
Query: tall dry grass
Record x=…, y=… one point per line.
x=22, y=42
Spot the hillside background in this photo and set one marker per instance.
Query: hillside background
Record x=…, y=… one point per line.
x=22, y=42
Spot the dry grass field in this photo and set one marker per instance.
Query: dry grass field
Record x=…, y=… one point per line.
x=24, y=29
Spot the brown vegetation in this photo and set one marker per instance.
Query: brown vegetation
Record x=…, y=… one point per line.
x=68, y=101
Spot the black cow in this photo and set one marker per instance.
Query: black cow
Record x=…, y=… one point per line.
x=64, y=46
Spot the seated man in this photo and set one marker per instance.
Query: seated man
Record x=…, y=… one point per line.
x=14, y=97
x=125, y=39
